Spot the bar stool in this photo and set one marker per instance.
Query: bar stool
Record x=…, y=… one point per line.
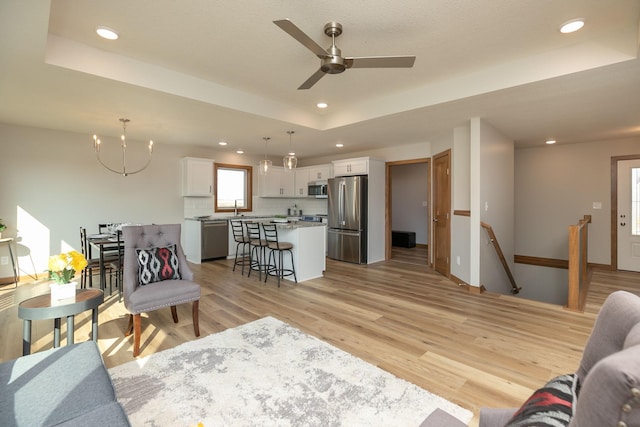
x=258, y=247
x=277, y=267
x=241, y=240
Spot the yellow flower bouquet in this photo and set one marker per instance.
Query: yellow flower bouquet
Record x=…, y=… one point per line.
x=63, y=267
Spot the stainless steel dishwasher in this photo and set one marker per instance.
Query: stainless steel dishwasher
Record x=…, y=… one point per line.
x=215, y=239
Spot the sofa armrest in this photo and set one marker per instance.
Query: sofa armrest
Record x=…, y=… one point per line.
x=495, y=417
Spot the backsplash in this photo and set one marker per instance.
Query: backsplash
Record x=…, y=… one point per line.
x=200, y=206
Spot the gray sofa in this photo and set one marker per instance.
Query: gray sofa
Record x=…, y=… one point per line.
x=66, y=386
x=609, y=373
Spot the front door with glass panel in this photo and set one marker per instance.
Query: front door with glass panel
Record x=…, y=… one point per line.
x=628, y=221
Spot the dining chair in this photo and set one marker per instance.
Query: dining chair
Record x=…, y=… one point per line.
x=108, y=228
x=275, y=266
x=116, y=265
x=155, y=275
x=93, y=264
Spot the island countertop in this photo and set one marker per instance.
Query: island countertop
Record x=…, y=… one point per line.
x=294, y=224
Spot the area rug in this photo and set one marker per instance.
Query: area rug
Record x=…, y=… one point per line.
x=268, y=373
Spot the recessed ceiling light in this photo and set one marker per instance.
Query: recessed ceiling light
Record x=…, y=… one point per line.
x=322, y=105
x=222, y=143
x=107, y=33
x=339, y=145
x=239, y=151
x=550, y=141
x=571, y=26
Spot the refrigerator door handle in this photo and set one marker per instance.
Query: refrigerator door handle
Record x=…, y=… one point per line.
x=341, y=200
x=343, y=232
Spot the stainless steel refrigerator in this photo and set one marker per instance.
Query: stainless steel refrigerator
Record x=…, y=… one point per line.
x=347, y=234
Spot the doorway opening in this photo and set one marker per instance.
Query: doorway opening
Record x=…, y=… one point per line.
x=408, y=206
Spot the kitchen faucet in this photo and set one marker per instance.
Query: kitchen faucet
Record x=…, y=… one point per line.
x=235, y=207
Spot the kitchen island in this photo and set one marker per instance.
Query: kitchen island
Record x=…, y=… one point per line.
x=309, y=241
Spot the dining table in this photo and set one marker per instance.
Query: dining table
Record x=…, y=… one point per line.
x=108, y=246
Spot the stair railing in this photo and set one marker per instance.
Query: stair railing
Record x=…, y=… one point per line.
x=494, y=240
x=578, y=264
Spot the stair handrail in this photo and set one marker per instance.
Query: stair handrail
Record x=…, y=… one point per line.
x=578, y=264
x=515, y=289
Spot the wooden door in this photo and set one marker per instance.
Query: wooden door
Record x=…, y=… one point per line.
x=442, y=212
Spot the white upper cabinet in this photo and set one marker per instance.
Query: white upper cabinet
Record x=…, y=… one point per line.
x=197, y=177
x=292, y=184
x=302, y=182
x=277, y=183
x=358, y=166
x=320, y=173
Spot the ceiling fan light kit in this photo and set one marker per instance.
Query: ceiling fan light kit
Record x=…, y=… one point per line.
x=331, y=59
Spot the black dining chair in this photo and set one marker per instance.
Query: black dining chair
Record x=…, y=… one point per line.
x=93, y=264
x=116, y=265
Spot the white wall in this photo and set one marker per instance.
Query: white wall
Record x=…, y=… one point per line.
x=542, y=283
x=495, y=205
x=51, y=184
x=410, y=204
x=460, y=168
x=461, y=200
x=557, y=185
x=392, y=153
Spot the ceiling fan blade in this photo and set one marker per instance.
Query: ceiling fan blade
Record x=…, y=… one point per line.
x=312, y=80
x=295, y=32
x=380, y=62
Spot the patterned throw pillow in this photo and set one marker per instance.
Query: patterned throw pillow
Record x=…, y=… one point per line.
x=551, y=405
x=157, y=264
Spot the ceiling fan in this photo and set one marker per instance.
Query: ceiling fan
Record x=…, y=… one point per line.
x=332, y=61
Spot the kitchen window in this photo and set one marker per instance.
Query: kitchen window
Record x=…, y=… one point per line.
x=233, y=184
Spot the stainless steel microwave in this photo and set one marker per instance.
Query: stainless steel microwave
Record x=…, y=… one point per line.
x=318, y=189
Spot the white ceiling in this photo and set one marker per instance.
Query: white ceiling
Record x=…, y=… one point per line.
x=200, y=71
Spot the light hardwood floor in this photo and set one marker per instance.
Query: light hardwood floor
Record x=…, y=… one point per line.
x=417, y=255
x=475, y=350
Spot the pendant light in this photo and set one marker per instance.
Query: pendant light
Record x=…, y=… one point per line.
x=265, y=164
x=290, y=160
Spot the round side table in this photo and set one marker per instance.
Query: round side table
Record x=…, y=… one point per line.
x=40, y=307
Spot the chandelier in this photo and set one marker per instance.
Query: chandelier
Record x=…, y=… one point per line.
x=265, y=164
x=123, y=171
x=290, y=160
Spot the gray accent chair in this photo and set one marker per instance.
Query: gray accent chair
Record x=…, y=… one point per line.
x=153, y=296
x=609, y=373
